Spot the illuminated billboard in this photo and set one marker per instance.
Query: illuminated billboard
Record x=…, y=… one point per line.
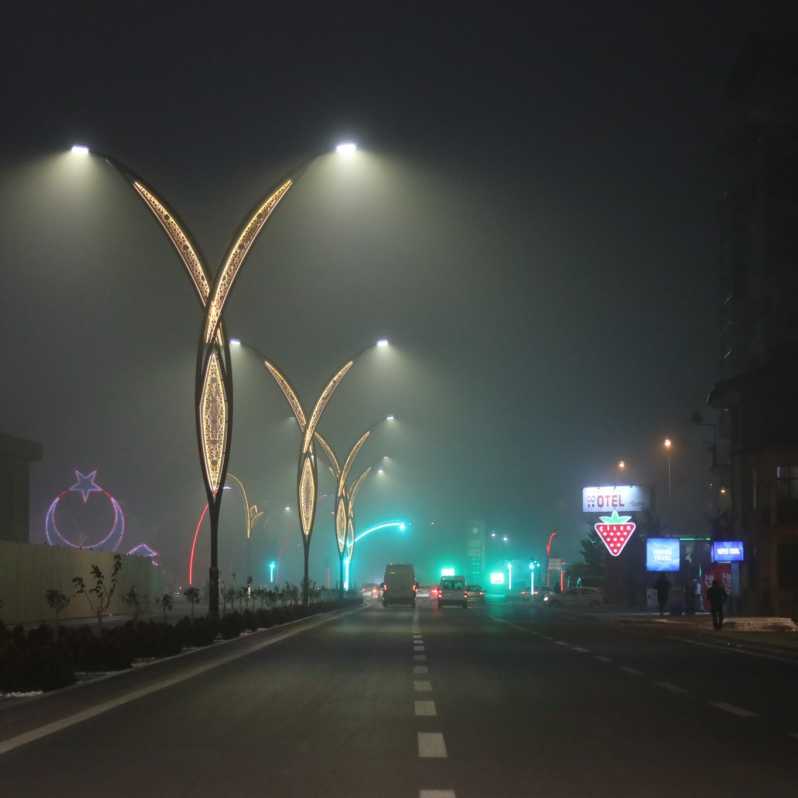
x=728, y=551
x=621, y=498
x=497, y=578
x=662, y=554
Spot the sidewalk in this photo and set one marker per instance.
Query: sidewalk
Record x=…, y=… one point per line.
x=765, y=634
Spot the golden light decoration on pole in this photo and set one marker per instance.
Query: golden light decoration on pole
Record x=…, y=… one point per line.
x=307, y=475
x=350, y=530
x=213, y=385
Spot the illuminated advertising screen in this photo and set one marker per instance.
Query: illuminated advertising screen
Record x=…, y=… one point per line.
x=728, y=551
x=497, y=578
x=662, y=554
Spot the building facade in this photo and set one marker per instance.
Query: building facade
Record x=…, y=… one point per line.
x=758, y=394
x=16, y=455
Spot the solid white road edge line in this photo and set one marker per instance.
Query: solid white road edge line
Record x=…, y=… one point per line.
x=99, y=709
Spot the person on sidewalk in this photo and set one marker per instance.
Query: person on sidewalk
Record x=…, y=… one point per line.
x=717, y=598
x=663, y=588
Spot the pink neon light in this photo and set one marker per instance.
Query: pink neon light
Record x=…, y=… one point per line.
x=194, y=545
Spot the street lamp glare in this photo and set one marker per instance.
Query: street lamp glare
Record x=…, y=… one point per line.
x=287, y=509
x=79, y=149
x=667, y=443
x=622, y=464
x=380, y=471
x=382, y=343
x=235, y=342
x=346, y=148
x=390, y=418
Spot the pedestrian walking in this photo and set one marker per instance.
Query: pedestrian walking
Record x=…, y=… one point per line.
x=717, y=598
x=663, y=588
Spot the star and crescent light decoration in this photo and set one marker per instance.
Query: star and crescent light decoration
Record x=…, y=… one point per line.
x=86, y=485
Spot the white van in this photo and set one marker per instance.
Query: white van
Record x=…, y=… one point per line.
x=453, y=591
x=399, y=585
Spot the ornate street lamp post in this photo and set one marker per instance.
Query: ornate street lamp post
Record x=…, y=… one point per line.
x=213, y=385
x=307, y=473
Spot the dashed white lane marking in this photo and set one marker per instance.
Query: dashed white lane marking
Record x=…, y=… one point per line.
x=560, y=643
x=733, y=710
x=11, y=743
x=420, y=658
x=420, y=669
x=431, y=745
x=728, y=650
x=436, y=794
x=425, y=709
x=602, y=659
x=418, y=649
x=631, y=671
x=671, y=688
x=422, y=686
x=580, y=650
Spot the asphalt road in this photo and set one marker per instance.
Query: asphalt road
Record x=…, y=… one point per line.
x=389, y=702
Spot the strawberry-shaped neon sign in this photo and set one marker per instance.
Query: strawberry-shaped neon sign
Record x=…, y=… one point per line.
x=615, y=531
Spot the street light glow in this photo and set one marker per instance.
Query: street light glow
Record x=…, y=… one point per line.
x=382, y=343
x=346, y=148
x=287, y=508
x=667, y=443
x=380, y=471
x=622, y=464
x=235, y=342
x=390, y=418
x=79, y=149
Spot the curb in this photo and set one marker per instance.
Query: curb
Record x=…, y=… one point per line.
x=8, y=703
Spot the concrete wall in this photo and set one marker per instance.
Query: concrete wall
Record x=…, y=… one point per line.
x=27, y=571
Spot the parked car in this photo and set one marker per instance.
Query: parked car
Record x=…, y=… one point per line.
x=576, y=597
x=475, y=593
x=399, y=585
x=453, y=591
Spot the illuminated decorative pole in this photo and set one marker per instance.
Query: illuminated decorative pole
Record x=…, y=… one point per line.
x=213, y=387
x=351, y=539
x=307, y=473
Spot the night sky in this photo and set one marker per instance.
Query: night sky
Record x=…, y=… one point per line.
x=530, y=219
